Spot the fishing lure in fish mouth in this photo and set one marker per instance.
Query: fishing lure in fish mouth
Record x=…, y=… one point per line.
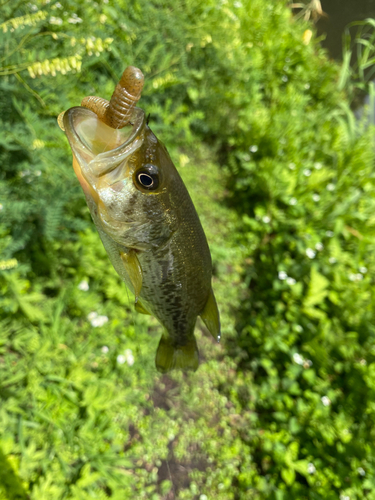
x=145, y=217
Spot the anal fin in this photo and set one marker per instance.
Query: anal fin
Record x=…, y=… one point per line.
x=210, y=316
x=134, y=270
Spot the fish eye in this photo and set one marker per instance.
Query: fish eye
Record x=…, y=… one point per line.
x=147, y=177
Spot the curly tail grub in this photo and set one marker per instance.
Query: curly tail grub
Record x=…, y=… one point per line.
x=117, y=112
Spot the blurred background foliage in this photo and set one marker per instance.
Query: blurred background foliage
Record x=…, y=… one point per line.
x=259, y=122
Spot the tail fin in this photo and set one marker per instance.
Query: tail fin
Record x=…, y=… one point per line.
x=170, y=356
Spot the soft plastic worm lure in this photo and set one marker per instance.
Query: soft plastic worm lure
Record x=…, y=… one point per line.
x=117, y=112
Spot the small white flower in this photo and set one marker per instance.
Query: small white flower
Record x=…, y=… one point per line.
x=266, y=219
x=344, y=497
x=325, y=400
x=310, y=253
x=363, y=270
x=128, y=354
x=130, y=360
x=74, y=19
x=92, y=315
x=329, y=234
x=84, y=286
x=307, y=86
x=103, y=320
x=315, y=197
x=56, y=20
x=330, y=186
x=127, y=357
x=355, y=277
x=105, y=349
x=1, y=206
x=292, y=166
x=293, y=201
x=291, y=281
x=318, y=165
x=282, y=275
x=38, y=173
x=363, y=362
x=307, y=172
x=99, y=321
x=284, y=78
x=237, y=5
x=332, y=260
x=297, y=358
x=319, y=246
x=253, y=149
x=58, y=5
x=307, y=363
x=299, y=328
x=361, y=471
x=311, y=468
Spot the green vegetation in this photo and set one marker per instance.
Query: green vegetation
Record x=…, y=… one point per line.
x=258, y=121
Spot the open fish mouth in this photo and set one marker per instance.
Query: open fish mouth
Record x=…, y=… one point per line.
x=97, y=147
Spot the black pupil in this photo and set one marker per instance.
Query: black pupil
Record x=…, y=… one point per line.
x=146, y=180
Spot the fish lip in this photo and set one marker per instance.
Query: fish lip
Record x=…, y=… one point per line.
x=83, y=153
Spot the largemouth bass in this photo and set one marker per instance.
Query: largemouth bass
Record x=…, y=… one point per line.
x=145, y=218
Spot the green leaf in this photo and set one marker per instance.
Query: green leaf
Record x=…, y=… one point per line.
x=288, y=476
x=317, y=290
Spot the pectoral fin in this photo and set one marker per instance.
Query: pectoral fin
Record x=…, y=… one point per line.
x=134, y=270
x=210, y=316
x=139, y=307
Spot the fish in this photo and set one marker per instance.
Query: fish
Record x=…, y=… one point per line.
x=145, y=218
